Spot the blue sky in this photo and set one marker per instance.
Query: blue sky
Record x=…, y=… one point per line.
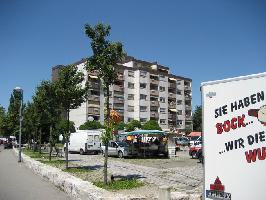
x=203, y=40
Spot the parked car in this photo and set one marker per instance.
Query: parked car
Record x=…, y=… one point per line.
x=194, y=150
x=195, y=140
x=119, y=149
x=8, y=144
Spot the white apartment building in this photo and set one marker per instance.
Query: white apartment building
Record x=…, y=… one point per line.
x=144, y=91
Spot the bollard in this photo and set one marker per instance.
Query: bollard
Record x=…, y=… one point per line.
x=164, y=193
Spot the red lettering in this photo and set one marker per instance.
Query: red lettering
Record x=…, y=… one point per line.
x=233, y=123
x=219, y=128
x=262, y=153
x=227, y=126
x=241, y=122
x=251, y=155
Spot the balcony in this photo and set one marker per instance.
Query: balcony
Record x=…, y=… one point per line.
x=171, y=95
x=154, y=103
x=94, y=98
x=188, y=107
x=93, y=73
x=187, y=97
x=186, y=87
x=120, y=77
x=94, y=111
x=119, y=88
x=119, y=100
x=153, y=81
x=94, y=86
x=171, y=106
x=172, y=85
x=154, y=115
x=188, y=117
x=154, y=93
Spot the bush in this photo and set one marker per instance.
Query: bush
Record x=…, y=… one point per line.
x=119, y=184
x=90, y=125
x=151, y=125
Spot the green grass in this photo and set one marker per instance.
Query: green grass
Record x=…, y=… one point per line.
x=76, y=170
x=35, y=155
x=119, y=184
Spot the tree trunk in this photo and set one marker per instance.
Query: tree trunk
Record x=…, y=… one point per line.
x=40, y=141
x=106, y=145
x=67, y=139
x=51, y=144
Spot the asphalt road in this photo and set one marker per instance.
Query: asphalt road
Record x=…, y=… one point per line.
x=18, y=183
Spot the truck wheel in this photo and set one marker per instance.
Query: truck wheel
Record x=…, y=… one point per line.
x=81, y=152
x=194, y=154
x=120, y=154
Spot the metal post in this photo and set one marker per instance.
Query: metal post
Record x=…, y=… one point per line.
x=20, y=124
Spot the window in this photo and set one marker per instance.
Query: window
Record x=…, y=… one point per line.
x=143, y=74
x=143, y=108
x=130, y=85
x=143, y=119
x=162, y=121
x=130, y=73
x=130, y=109
x=143, y=97
x=179, y=102
x=162, y=110
x=162, y=99
x=142, y=85
x=162, y=76
x=179, y=112
x=130, y=97
x=179, y=92
x=178, y=82
x=180, y=122
x=162, y=89
x=130, y=119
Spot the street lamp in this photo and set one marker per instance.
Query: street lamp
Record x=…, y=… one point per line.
x=18, y=89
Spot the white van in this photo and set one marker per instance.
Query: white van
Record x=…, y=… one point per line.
x=85, y=141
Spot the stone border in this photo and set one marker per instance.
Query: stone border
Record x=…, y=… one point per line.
x=84, y=190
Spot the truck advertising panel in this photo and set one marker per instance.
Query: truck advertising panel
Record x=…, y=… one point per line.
x=234, y=138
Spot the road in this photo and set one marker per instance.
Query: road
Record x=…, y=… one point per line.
x=19, y=183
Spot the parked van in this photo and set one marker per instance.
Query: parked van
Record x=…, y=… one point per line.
x=85, y=141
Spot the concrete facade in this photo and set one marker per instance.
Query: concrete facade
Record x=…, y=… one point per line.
x=144, y=91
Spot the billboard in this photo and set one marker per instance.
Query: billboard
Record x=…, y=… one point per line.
x=234, y=138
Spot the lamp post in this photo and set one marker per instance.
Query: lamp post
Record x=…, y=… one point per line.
x=18, y=89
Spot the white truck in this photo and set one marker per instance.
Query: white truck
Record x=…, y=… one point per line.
x=234, y=138
x=85, y=141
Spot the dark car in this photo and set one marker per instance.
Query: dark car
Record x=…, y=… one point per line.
x=8, y=144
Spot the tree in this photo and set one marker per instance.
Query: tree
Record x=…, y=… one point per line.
x=105, y=57
x=151, y=125
x=120, y=126
x=13, y=113
x=62, y=127
x=197, y=119
x=90, y=125
x=131, y=126
x=70, y=94
x=3, y=121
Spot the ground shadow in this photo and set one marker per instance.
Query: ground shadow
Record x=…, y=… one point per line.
x=94, y=167
x=129, y=177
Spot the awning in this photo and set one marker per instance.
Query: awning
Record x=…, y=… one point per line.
x=194, y=134
x=146, y=132
x=172, y=79
x=91, y=76
x=173, y=110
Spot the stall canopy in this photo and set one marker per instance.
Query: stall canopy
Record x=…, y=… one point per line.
x=192, y=134
x=148, y=132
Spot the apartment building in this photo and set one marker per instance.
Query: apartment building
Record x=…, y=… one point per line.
x=143, y=91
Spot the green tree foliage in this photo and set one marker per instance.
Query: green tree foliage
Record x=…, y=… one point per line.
x=105, y=57
x=197, y=119
x=131, y=126
x=90, y=125
x=70, y=94
x=3, y=122
x=13, y=113
x=151, y=125
x=120, y=126
x=62, y=127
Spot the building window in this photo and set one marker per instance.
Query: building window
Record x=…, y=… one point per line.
x=130, y=85
x=130, y=97
x=143, y=108
x=162, y=76
x=162, y=110
x=143, y=97
x=178, y=82
x=179, y=122
x=162, y=121
x=130, y=73
x=162, y=99
x=162, y=89
x=179, y=102
x=143, y=119
x=130, y=109
x=179, y=92
x=130, y=119
x=179, y=112
x=142, y=85
x=143, y=74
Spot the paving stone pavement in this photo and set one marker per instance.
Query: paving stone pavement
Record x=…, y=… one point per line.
x=188, y=178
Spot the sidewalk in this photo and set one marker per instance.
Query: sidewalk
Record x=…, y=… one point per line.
x=19, y=183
